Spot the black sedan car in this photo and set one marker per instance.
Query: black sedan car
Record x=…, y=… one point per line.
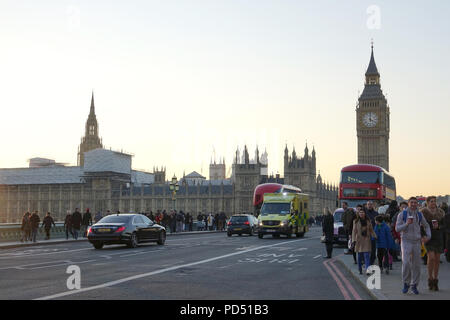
x=242, y=223
x=129, y=229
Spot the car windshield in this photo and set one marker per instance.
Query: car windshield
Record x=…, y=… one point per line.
x=239, y=219
x=338, y=216
x=115, y=219
x=275, y=208
x=353, y=203
x=361, y=177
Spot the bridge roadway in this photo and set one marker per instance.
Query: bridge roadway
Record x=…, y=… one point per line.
x=197, y=266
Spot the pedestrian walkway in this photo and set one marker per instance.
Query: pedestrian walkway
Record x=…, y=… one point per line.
x=391, y=284
x=17, y=244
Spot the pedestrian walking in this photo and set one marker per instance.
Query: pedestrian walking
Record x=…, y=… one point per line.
x=47, y=224
x=158, y=217
x=173, y=221
x=179, y=216
x=191, y=222
x=223, y=220
x=328, y=231
x=435, y=246
x=200, y=222
x=362, y=234
x=210, y=222
x=347, y=221
x=26, y=227
x=371, y=213
x=86, y=222
x=409, y=223
x=384, y=243
x=68, y=225
x=445, y=208
x=98, y=216
x=165, y=219
x=76, y=223
x=34, y=220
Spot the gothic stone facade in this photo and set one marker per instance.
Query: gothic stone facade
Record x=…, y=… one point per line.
x=59, y=189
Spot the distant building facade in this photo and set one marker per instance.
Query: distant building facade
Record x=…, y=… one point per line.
x=104, y=180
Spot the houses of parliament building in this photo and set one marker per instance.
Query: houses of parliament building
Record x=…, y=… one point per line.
x=104, y=179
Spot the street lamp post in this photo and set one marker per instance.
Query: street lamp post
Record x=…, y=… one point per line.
x=174, y=187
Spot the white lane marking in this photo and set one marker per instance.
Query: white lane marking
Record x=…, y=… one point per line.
x=143, y=275
x=317, y=256
x=21, y=267
x=63, y=264
x=45, y=253
x=132, y=254
x=16, y=254
x=43, y=265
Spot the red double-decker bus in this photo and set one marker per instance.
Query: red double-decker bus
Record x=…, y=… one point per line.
x=362, y=182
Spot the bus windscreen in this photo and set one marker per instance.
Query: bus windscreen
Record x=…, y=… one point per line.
x=361, y=177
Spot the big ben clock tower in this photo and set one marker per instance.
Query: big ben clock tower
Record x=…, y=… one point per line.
x=372, y=121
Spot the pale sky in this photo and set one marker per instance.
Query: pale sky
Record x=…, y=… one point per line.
x=175, y=80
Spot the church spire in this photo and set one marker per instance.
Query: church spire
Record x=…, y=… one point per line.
x=372, y=68
x=92, y=112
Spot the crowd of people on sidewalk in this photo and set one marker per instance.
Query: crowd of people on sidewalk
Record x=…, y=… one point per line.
x=76, y=224
x=179, y=221
x=416, y=234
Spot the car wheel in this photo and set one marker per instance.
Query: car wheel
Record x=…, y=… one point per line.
x=133, y=241
x=289, y=234
x=162, y=238
x=229, y=234
x=98, y=245
x=260, y=235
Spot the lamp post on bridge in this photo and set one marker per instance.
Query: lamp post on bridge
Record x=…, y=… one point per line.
x=174, y=187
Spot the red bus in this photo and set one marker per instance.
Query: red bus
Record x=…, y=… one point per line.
x=362, y=182
x=421, y=200
x=260, y=190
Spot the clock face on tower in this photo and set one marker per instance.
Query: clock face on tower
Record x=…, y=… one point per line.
x=370, y=119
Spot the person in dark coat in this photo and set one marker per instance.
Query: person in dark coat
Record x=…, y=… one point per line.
x=347, y=220
x=328, y=231
x=200, y=218
x=34, y=220
x=384, y=242
x=68, y=225
x=76, y=223
x=173, y=221
x=222, y=220
x=47, y=224
x=98, y=217
x=371, y=213
x=86, y=221
x=26, y=227
x=445, y=208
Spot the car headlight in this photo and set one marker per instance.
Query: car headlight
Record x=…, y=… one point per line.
x=284, y=223
x=260, y=223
